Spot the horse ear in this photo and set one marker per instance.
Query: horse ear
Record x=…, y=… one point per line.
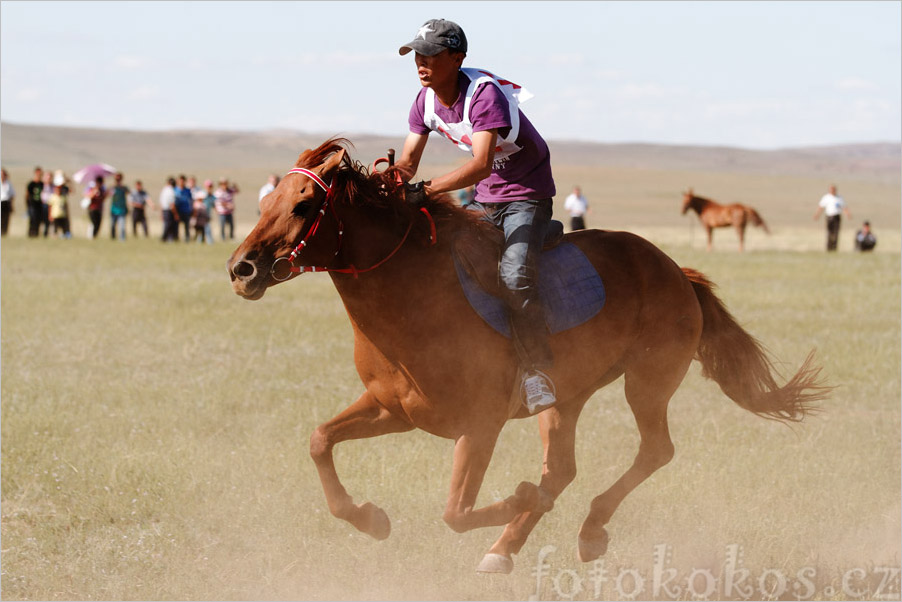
x=331, y=165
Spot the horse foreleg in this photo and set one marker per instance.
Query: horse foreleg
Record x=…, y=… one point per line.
x=558, y=429
x=362, y=419
x=710, y=231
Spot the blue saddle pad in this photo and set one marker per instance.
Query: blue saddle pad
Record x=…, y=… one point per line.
x=571, y=291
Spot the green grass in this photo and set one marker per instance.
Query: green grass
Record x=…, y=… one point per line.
x=155, y=430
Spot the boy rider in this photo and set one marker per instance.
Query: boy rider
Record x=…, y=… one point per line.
x=510, y=166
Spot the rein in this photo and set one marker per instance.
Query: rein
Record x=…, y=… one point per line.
x=329, y=201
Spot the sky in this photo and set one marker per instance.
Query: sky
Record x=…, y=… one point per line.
x=759, y=75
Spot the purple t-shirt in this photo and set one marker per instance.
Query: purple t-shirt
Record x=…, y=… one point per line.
x=525, y=175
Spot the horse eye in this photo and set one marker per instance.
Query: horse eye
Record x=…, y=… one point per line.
x=302, y=209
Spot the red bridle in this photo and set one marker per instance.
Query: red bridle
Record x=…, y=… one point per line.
x=328, y=201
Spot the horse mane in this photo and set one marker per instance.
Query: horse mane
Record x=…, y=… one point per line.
x=698, y=203
x=380, y=194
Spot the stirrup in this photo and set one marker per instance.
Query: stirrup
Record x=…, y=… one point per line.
x=537, y=391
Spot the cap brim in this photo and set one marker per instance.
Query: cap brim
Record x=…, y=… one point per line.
x=421, y=46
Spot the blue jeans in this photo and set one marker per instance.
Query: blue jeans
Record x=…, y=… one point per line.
x=120, y=220
x=524, y=224
x=226, y=220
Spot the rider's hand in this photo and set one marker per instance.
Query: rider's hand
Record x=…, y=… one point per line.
x=415, y=194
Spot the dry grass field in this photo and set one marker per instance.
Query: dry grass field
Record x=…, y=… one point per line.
x=154, y=426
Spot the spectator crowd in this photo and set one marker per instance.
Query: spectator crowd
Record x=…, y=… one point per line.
x=186, y=208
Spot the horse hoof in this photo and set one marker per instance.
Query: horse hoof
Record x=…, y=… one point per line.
x=495, y=563
x=376, y=522
x=590, y=549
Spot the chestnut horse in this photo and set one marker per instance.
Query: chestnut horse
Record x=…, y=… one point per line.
x=714, y=215
x=428, y=361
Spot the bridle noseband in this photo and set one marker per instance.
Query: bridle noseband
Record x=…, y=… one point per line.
x=311, y=231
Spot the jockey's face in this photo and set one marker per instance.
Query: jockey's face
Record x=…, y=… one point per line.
x=439, y=71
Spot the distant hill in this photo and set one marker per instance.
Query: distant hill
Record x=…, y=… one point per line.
x=876, y=161
x=23, y=146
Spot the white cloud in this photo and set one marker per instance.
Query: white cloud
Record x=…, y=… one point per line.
x=144, y=93
x=746, y=108
x=565, y=59
x=129, y=62
x=608, y=74
x=634, y=91
x=343, y=59
x=856, y=83
x=28, y=94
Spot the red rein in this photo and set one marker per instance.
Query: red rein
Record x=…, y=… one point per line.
x=328, y=201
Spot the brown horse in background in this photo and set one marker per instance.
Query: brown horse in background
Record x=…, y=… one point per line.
x=714, y=215
x=428, y=361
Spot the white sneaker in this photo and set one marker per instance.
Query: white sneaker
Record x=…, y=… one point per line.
x=537, y=391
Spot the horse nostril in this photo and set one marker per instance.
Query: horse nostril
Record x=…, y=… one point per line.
x=243, y=269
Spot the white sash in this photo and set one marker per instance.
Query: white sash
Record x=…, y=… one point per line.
x=461, y=133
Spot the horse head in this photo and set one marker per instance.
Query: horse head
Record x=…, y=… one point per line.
x=688, y=201
x=289, y=216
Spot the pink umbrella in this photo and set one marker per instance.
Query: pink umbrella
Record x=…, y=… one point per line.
x=89, y=173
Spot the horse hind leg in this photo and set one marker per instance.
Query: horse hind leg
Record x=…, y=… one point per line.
x=558, y=429
x=649, y=387
x=472, y=454
x=363, y=419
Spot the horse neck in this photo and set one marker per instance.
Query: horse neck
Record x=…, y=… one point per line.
x=700, y=204
x=368, y=238
x=373, y=229
x=417, y=269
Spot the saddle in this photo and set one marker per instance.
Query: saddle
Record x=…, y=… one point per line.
x=570, y=289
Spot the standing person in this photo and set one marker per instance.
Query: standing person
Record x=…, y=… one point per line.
x=194, y=188
x=138, y=201
x=270, y=185
x=577, y=206
x=225, y=207
x=118, y=206
x=210, y=204
x=511, y=167
x=46, y=191
x=833, y=206
x=98, y=194
x=7, y=198
x=33, y=202
x=170, y=217
x=184, y=205
x=200, y=218
x=865, y=239
x=58, y=206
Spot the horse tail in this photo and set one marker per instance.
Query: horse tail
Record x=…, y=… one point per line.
x=756, y=219
x=738, y=363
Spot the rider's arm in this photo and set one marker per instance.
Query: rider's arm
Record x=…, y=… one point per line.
x=411, y=154
x=473, y=171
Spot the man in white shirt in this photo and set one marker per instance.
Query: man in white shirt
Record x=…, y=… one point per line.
x=576, y=205
x=7, y=197
x=833, y=206
x=170, y=216
x=270, y=185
